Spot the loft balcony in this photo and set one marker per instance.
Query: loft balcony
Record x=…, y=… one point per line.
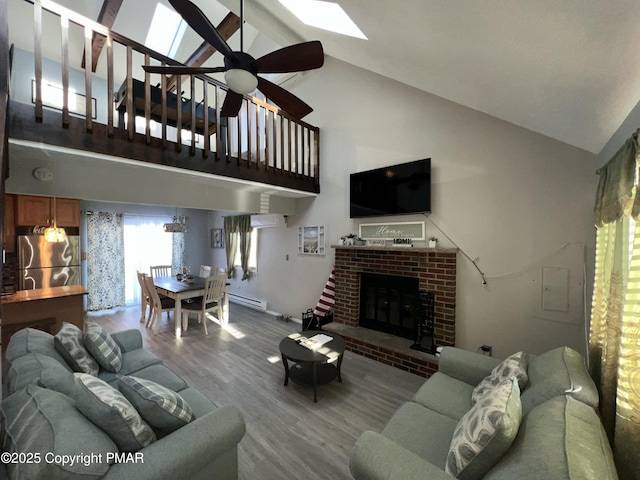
x=118, y=110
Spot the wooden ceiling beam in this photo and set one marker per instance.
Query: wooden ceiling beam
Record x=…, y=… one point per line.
x=227, y=27
x=106, y=17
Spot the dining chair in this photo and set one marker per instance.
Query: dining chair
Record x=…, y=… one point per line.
x=160, y=304
x=221, y=270
x=145, y=301
x=205, y=271
x=212, y=300
x=160, y=271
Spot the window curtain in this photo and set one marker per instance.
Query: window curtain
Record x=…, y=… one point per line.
x=105, y=262
x=614, y=337
x=237, y=230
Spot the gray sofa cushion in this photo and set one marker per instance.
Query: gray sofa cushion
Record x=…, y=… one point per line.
x=110, y=410
x=445, y=395
x=102, y=347
x=31, y=340
x=38, y=420
x=69, y=343
x=37, y=369
x=557, y=372
x=421, y=431
x=561, y=439
x=485, y=433
x=160, y=407
x=200, y=405
x=156, y=373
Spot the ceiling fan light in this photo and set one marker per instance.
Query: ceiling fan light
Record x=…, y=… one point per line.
x=241, y=81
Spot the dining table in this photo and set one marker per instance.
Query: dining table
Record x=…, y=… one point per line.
x=187, y=287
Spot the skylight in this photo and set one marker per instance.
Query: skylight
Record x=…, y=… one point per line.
x=326, y=15
x=166, y=31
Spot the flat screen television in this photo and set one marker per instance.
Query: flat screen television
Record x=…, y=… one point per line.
x=394, y=190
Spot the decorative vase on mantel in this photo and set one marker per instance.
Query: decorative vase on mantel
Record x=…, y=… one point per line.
x=433, y=243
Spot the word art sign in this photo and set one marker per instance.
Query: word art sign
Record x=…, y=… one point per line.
x=389, y=231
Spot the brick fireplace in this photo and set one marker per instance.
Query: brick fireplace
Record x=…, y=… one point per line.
x=435, y=270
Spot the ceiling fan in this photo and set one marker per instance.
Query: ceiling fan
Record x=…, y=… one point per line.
x=241, y=69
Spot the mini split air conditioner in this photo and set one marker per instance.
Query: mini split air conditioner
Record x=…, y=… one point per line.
x=268, y=220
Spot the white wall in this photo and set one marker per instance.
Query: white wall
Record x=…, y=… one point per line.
x=515, y=200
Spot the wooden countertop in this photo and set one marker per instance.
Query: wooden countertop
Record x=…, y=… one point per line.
x=43, y=294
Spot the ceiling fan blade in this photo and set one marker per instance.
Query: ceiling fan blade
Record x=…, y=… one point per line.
x=231, y=105
x=285, y=100
x=295, y=58
x=197, y=20
x=181, y=70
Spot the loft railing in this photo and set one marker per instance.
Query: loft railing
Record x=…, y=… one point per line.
x=145, y=108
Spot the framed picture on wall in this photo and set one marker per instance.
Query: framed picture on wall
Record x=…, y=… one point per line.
x=217, y=238
x=311, y=240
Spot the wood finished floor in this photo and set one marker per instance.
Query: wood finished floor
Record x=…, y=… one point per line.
x=288, y=436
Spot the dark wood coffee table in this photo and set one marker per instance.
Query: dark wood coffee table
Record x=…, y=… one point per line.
x=312, y=367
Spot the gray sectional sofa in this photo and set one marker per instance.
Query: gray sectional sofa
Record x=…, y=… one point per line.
x=549, y=428
x=46, y=435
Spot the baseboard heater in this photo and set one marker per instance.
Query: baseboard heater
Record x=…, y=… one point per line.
x=248, y=301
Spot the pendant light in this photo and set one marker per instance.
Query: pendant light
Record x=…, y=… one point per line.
x=54, y=234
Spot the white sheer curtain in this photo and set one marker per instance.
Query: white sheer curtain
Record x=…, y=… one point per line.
x=145, y=244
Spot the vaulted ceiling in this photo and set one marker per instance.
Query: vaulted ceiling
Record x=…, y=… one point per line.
x=565, y=69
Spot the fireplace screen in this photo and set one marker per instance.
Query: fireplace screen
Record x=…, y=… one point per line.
x=387, y=304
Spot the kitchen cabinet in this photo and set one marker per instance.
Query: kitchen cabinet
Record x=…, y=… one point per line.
x=9, y=241
x=33, y=210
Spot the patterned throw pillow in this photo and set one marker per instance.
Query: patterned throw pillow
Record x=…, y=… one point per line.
x=69, y=343
x=512, y=366
x=111, y=411
x=162, y=408
x=103, y=348
x=485, y=433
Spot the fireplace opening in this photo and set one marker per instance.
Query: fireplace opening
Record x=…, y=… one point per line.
x=388, y=304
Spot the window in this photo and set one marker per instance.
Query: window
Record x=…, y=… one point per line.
x=145, y=244
x=253, y=253
x=326, y=15
x=166, y=31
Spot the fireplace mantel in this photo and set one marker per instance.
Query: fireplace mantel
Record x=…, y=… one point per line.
x=395, y=249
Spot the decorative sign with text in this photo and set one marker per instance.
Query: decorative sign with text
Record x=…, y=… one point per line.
x=389, y=231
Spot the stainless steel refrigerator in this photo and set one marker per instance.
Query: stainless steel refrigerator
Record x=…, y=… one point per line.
x=45, y=264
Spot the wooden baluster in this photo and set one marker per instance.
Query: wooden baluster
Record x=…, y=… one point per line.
x=110, y=85
x=147, y=102
x=163, y=108
x=88, y=90
x=178, y=114
x=130, y=117
x=205, y=114
x=37, y=57
x=64, y=46
x=192, y=85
